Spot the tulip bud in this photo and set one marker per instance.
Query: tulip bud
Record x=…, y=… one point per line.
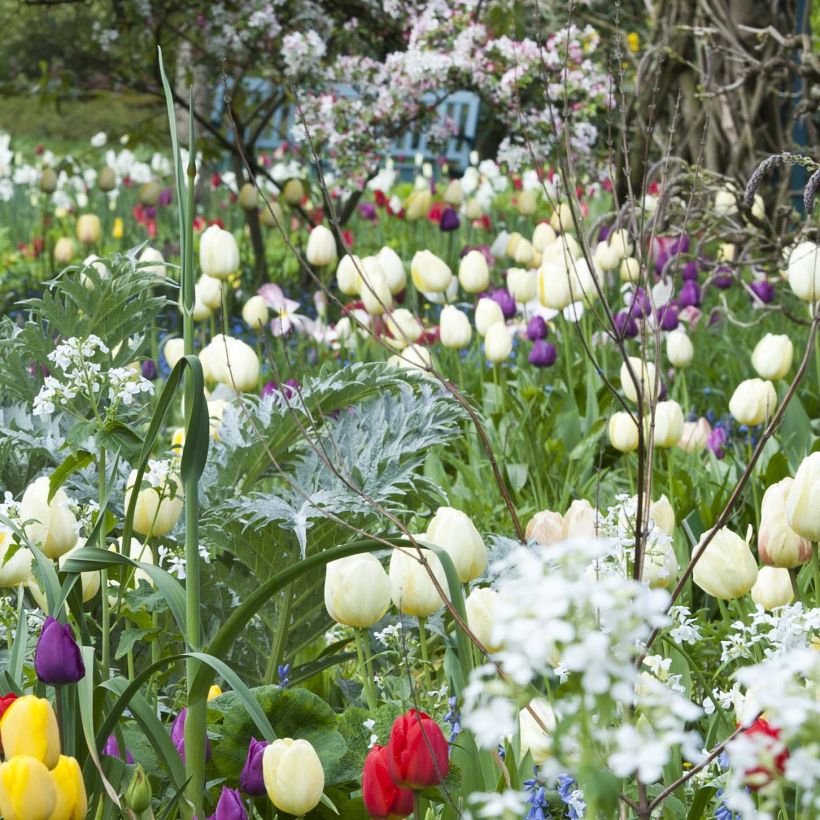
x=660, y=564
x=148, y=193
x=107, y=179
x=417, y=752
x=727, y=568
x=455, y=331
x=497, y=343
x=214, y=691
x=545, y=528
x=630, y=270
x=27, y=790
x=64, y=250
x=534, y=730
x=404, y=327
x=645, y=375
x=57, y=658
x=357, y=590
x=429, y=273
x=139, y=794
x=413, y=357
x=375, y=292
x=418, y=204
x=773, y=588
x=606, y=257
x=293, y=191
x=29, y=727
x=321, y=247
x=487, y=313
x=48, y=181
x=218, y=253
x=804, y=271
x=232, y=362
x=542, y=236
x=383, y=799
x=411, y=589
x=52, y=526
x=454, y=193
x=803, y=501
x=17, y=569
x=679, y=349
x=772, y=356
x=230, y=806
x=393, y=269
x=753, y=402
x=248, y=197
x=158, y=508
x=454, y=531
x=293, y=775
x=581, y=520
x=209, y=291
x=623, y=432
x=89, y=229
x=695, y=435
x=255, y=312
x=668, y=423
x=480, y=605
x=777, y=544
x=561, y=219
x=271, y=214
x=474, y=272
x=621, y=243
x=251, y=779
x=152, y=261
x=173, y=350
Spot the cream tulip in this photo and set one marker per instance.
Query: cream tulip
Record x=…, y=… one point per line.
x=546, y=528
x=152, y=260
x=623, y=432
x=375, y=292
x=753, y=402
x=581, y=520
x=158, y=508
x=660, y=564
x=532, y=735
x=630, y=270
x=695, y=436
x=481, y=605
x=218, y=253
x=209, y=291
x=404, y=327
x=429, y=273
x=99, y=266
x=773, y=588
x=606, y=257
x=522, y=284
x=89, y=229
x=561, y=219
x=393, y=269
x=474, y=272
x=487, y=313
x=662, y=514
x=803, y=500
x=411, y=589
x=497, y=343
x=645, y=375
x=293, y=775
x=64, y=250
x=526, y=203
x=51, y=525
x=455, y=330
x=231, y=362
x=89, y=581
x=725, y=202
x=443, y=297
x=679, y=349
x=255, y=312
x=321, y=247
x=524, y=252
x=200, y=310
x=772, y=356
x=777, y=544
x=357, y=590
x=348, y=275
x=726, y=568
x=543, y=235
x=413, y=357
x=803, y=271
x=453, y=193
x=454, y=531
x=620, y=241
x=668, y=423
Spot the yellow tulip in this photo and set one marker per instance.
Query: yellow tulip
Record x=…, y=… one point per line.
x=72, y=802
x=214, y=692
x=29, y=727
x=27, y=789
x=117, y=231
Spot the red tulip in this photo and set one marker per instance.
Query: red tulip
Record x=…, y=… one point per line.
x=383, y=799
x=417, y=751
x=772, y=754
x=6, y=701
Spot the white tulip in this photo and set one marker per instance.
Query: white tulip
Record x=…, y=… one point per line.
x=156, y=513
x=534, y=739
x=209, y=291
x=645, y=375
x=393, y=269
x=777, y=544
x=803, y=500
x=152, y=260
x=454, y=531
x=17, y=570
x=543, y=235
x=581, y=520
x=804, y=271
x=293, y=775
x=487, y=313
x=679, y=349
x=753, y=402
x=773, y=588
x=772, y=356
x=481, y=605
x=357, y=590
x=727, y=568
x=255, y=312
x=218, y=253
x=412, y=590
x=545, y=528
x=455, y=330
x=321, y=247
x=429, y=273
x=668, y=423
x=623, y=432
x=497, y=343
x=348, y=275
x=522, y=284
x=51, y=525
x=173, y=350
x=474, y=272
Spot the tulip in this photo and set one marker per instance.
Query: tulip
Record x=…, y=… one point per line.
x=178, y=736
x=89, y=229
x=668, y=423
x=474, y=272
x=29, y=728
x=112, y=749
x=630, y=270
x=48, y=181
x=497, y=343
x=543, y=354
x=209, y=291
x=404, y=327
x=726, y=568
x=660, y=564
x=473, y=209
x=763, y=290
x=449, y=220
x=232, y=362
x=623, y=432
x=803, y=271
x=418, y=204
x=248, y=197
x=17, y=569
x=214, y=691
x=537, y=329
x=561, y=284
x=561, y=219
x=51, y=525
x=534, y=736
x=383, y=799
x=255, y=312
x=251, y=779
x=57, y=659
x=662, y=514
x=107, y=179
x=777, y=544
x=230, y=806
x=481, y=604
x=545, y=528
x=393, y=269
x=606, y=257
x=357, y=590
x=772, y=754
x=413, y=357
x=293, y=775
x=271, y=214
x=64, y=250
x=375, y=291
x=753, y=402
x=139, y=794
x=803, y=501
x=522, y=284
x=411, y=589
x=581, y=520
x=218, y=253
x=157, y=510
x=6, y=701
x=293, y=191
x=417, y=752
x=455, y=331
x=454, y=531
x=27, y=789
x=523, y=252
x=690, y=295
x=321, y=247
x=348, y=275
x=487, y=313
x=525, y=202
x=429, y=273
x=645, y=376
x=772, y=356
x=773, y=588
x=621, y=242
x=453, y=193
x=173, y=350
x=679, y=349
x=72, y=801
x=725, y=202
x=152, y=261
x=695, y=435
x=542, y=236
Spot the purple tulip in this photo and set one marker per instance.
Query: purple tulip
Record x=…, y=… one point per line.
x=689, y=294
x=368, y=211
x=723, y=277
x=57, y=658
x=149, y=369
x=178, y=736
x=626, y=325
x=449, y=220
x=112, y=749
x=543, y=354
x=689, y=272
x=660, y=261
x=668, y=316
x=680, y=245
x=165, y=197
x=763, y=289
x=641, y=306
x=717, y=438
x=603, y=234
x=505, y=301
x=537, y=328
x=230, y=806
x=151, y=212
x=250, y=780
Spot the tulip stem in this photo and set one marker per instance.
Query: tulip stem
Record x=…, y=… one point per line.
x=815, y=560
x=425, y=658
x=363, y=654
x=106, y=609
x=416, y=804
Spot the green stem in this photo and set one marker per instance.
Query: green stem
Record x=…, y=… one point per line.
x=277, y=650
x=106, y=609
x=416, y=804
x=425, y=658
x=815, y=561
x=364, y=665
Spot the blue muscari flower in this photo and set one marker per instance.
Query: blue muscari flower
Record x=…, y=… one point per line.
x=284, y=675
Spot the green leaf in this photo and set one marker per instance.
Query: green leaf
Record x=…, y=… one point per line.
x=128, y=638
x=700, y=801
x=76, y=461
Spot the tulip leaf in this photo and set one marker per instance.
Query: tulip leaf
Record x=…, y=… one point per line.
x=700, y=801
x=18, y=649
x=75, y=461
